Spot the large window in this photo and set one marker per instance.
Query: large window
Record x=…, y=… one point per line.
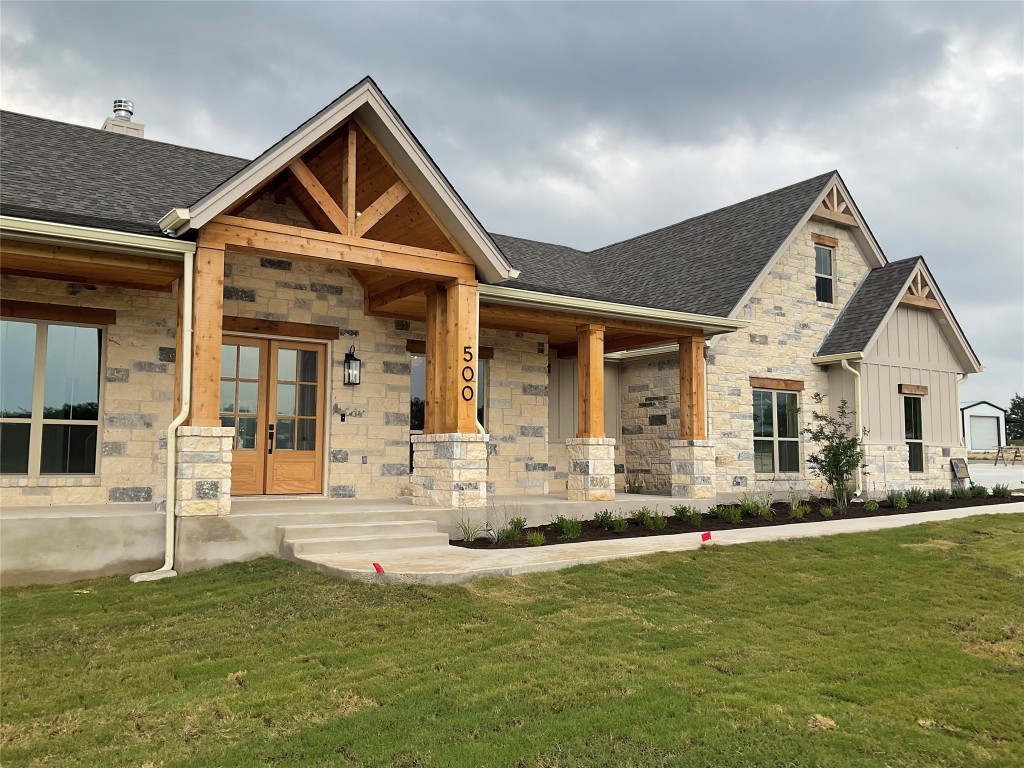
x=914, y=432
x=776, y=431
x=49, y=398
x=823, y=277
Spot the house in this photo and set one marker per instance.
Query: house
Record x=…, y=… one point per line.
x=330, y=321
x=982, y=425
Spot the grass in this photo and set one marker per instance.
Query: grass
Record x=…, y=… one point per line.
x=911, y=641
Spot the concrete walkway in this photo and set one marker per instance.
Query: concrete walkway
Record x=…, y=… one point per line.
x=449, y=565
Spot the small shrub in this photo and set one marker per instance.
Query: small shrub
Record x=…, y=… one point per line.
x=468, y=529
x=756, y=505
x=620, y=524
x=917, y=495
x=634, y=483
x=657, y=521
x=799, y=512
x=827, y=511
x=730, y=514
x=795, y=500
x=568, y=527
x=961, y=492
x=687, y=514
x=749, y=506
x=870, y=505
x=643, y=516
x=516, y=526
x=498, y=536
x=604, y=519
x=938, y=494
x=535, y=538
x=898, y=499
x=1001, y=491
x=979, y=491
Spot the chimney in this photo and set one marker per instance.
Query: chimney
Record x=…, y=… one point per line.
x=121, y=122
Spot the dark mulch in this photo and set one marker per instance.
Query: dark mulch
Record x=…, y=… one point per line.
x=593, y=532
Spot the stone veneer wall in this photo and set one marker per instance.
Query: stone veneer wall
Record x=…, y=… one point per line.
x=137, y=396
x=787, y=326
x=888, y=467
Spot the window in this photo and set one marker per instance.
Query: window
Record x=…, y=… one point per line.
x=49, y=398
x=776, y=432
x=914, y=432
x=823, y=274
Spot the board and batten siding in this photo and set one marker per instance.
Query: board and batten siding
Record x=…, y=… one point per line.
x=563, y=414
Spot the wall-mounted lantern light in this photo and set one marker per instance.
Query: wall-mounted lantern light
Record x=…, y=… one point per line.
x=353, y=367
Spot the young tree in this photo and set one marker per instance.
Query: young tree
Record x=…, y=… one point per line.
x=838, y=450
x=1015, y=418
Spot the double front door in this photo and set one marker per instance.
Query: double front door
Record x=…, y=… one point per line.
x=272, y=393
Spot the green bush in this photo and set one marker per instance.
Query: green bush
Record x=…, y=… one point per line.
x=620, y=524
x=730, y=513
x=870, y=505
x=536, y=538
x=568, y=528
x=657, y=521
x=604, y=518
x=961, y=492
x=898, y=499
x=938, y=494
x=687, y=514
x=468, y=529
x=515, y=527
x=979, y=491
x=917, y=495
x=1001, y=491
x=799, y=512
x=826, y=511
x=643, y=516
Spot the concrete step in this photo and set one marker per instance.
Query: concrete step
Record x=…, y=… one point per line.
x=299, y=548
x=356, y=528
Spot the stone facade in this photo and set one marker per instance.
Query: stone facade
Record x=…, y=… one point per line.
x=591, y=468
x=888, y=468
x=203, y=470
x=692, y=468
x=450, y=470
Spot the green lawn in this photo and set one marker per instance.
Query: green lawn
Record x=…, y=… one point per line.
x=910, y=640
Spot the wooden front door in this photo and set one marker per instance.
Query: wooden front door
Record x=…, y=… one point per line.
x=272, y=392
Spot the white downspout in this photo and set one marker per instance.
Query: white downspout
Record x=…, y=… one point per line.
x=857, y=425
x=166, y=571
x=963, y=426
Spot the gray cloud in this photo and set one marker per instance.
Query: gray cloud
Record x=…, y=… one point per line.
x=588, y=123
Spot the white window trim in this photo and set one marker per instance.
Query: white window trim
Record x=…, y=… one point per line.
x=36, y=421
x=831, y=278
x=775, y=437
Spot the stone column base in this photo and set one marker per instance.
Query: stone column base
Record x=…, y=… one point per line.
x=591, y=468
x=203, y=471
x=692, y=467
x=449, y=470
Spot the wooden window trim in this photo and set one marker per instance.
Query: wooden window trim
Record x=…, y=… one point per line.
x=786, y=385
x=913, y=389
x=419, y=347
x=57, y=313
x=279, y=328
x=825, y=240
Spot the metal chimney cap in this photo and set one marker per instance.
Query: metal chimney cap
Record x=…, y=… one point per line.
x=124, y=109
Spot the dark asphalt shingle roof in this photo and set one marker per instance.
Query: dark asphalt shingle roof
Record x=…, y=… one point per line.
x=71, y=174
x=867, y=308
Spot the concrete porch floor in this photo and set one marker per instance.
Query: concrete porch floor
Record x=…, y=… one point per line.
x=448, y=565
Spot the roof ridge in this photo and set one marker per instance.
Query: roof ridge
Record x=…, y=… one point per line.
x=540, y=242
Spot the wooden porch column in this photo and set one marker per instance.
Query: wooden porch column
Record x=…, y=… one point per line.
x=434, y=410
x=460, y=385
x=207, y=322
x=692, y=410
x=590, y=380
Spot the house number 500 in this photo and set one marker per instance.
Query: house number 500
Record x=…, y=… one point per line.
x=468, y=374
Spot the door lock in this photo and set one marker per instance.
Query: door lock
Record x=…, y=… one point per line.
x=270, y=439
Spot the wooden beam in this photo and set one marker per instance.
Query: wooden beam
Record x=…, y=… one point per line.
x=590, y=381
x=207, y=334
x=913, y=389
x=842, y=219
x=692, y=410
x=410, y=288
x=615, y=344
x=788, y=385
x=434, y=415
x=320, y=195
x=61, y=313
x=83, y=265
x=417, y=347
x=380, y=207
x=249, y=235
x=532, y=317
x=234, y=324
x=920, y=302
x=825, y=240
x=350, y=180
x=461, y=358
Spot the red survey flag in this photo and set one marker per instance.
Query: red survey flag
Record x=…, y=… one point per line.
x=706, y=536
x=378, y=568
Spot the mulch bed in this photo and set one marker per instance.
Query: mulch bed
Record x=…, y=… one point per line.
x=593, y=532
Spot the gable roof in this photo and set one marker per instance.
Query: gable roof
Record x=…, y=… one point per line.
x=70, y=174
x=873, y=303
x=968, y=405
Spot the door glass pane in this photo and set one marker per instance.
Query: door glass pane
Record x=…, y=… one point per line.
x=305, y=439
x=14, y=448
x=72, y=386
x=284, y=437
x=787, y=413
x=17, y=359
x=227, y=397
x=307, y=365
x=228, y=358
x=764, y=460
x=789, y=456
x=249, y=362
x=307, y=400
x=286, y=365
x=762, y=413
x=247, y=394
x=245, y=434
x=227, y=421
x=417, y=392
x=286, y=399
x=481, y=392
x=68, y=448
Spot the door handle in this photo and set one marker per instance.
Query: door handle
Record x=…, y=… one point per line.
x=270, y=439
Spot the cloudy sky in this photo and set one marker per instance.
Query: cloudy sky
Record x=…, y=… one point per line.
x=584, y=124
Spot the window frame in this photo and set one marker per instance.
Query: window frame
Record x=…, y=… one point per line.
x=36, y=421
x=918, y=441
x=822, y=276
x=775, y=438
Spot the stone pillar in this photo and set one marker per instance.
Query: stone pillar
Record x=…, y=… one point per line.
x=693, y=468
x=591, y=468
x=449, y=470
x=203, y=471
